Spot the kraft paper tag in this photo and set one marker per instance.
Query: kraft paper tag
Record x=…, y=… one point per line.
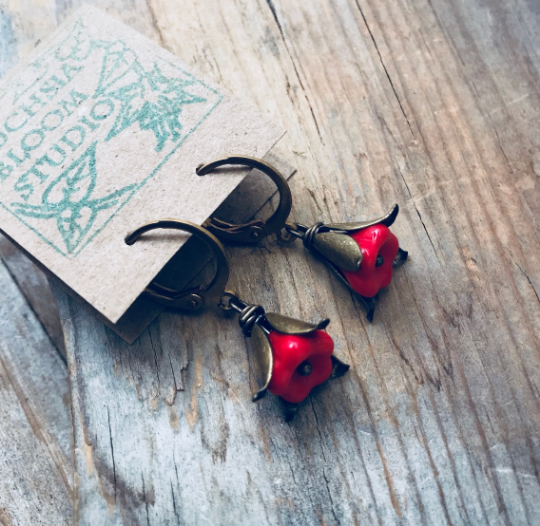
x=192, y=264
x=101, y=131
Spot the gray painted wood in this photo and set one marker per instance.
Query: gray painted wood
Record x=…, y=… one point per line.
x=432, y=104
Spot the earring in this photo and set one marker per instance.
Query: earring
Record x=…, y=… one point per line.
x=292, y=356
x=362, y=254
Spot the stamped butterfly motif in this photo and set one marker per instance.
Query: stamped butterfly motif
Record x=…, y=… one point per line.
x=148, y=98
x=143, y=99
x=69, y=200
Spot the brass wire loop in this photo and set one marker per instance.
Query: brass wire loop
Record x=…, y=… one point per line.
x=194, y=298
x=310, y=234
x=255, y=231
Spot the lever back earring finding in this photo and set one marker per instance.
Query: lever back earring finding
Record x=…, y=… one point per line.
x=292, y=356
x=362, y=254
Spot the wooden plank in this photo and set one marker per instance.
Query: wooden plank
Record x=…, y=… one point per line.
x=36, y=449
x=36, y=462
x=430, y=104
x=35, y=287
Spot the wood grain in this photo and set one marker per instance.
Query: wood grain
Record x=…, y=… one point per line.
x=431, y=104
x=36, y=446
x=35, y=287
x=36, y=462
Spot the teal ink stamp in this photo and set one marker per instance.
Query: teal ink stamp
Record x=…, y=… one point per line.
x=57, y=192
x=101, y=130
x=68, y=200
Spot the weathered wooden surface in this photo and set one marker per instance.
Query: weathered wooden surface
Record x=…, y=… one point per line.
x=36, y=446
x=432, y=104
x=35, y=288
x=36, y=451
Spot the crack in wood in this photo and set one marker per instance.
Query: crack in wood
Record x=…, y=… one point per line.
x=384, y=66
x=272, y=8
x=529, y=280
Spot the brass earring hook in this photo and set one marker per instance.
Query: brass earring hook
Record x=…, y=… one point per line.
x=259, y=325
x=255, y=231
x=194, y=298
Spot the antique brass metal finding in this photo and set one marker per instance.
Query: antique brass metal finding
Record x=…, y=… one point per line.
x=255, y=231
x=400, y=259
x=191, y=299
x=253, y=323
x=387, y=220
x=264, y=358
x=333, y=243
x=258, y=324
x=287, y=325
x=342, y=250
x=253, y=319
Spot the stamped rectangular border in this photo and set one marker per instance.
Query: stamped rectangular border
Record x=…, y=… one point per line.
x=141, y=184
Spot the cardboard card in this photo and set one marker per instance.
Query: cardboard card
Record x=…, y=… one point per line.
x=101, y=130
x=187, y=266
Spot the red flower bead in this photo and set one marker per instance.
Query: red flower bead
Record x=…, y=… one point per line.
x=374, y=241
x=301, y=361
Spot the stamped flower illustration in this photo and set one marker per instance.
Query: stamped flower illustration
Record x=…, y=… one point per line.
x=103, y=98
x=148, y=98
x=70, y=202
